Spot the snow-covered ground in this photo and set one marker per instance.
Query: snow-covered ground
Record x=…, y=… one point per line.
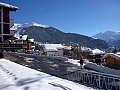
x=16, y=77
x=76, y=62
x=95, y=67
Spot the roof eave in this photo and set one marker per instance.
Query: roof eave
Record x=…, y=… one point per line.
x=10, y=7
x=13, y=9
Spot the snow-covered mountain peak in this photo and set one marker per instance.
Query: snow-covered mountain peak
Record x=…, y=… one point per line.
x=108, y=35
x=17, y=25
x=39, y=25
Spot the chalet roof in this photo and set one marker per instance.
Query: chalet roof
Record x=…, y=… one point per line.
x=21, y=37
x=113, y=55
x=97, y=51
x=11, y=8
x=67, y=47
x=86, y=49
x=118, y=53
x=24, y=37
x=52, y=47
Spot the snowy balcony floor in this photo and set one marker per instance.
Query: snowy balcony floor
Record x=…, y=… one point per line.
x=16, y=77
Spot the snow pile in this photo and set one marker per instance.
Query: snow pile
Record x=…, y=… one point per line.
x=16, y=77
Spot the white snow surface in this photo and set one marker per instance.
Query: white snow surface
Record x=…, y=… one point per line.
x=16, y=77
x=73, y=61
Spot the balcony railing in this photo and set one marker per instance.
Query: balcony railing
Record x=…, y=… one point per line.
x=94, y=79
x=11, y=23
x=11, y=46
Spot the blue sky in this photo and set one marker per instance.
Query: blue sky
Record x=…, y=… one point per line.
x=86, y=17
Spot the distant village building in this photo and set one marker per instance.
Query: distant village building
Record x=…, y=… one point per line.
x=94, y=55
x=5, y=22
x=67, y=51
x=53, y=49
x=112, y=60
x=85, y=52
x=97, y=55
x=22, y=39
x=31, y=44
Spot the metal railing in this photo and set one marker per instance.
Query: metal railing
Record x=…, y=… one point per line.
x=11, y=46
x=94, y=79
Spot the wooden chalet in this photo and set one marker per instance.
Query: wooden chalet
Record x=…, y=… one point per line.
x=93, y=55
x=52, y=49
x=23, y=40
x=112, y=60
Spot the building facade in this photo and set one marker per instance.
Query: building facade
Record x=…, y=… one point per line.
x=5, y=22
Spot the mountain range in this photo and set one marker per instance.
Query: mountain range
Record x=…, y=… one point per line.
x=47, y=34
x=112, y=38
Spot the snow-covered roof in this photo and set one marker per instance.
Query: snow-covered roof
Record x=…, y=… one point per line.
x=12, y=8
x=17, y=35
x=85, y=49
x=67, y=47
x=17, y=77
x=117, y=56
x=52, y=47
x=31, y=40
x=97, y=51
x=118, y=53
x=21, y=37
